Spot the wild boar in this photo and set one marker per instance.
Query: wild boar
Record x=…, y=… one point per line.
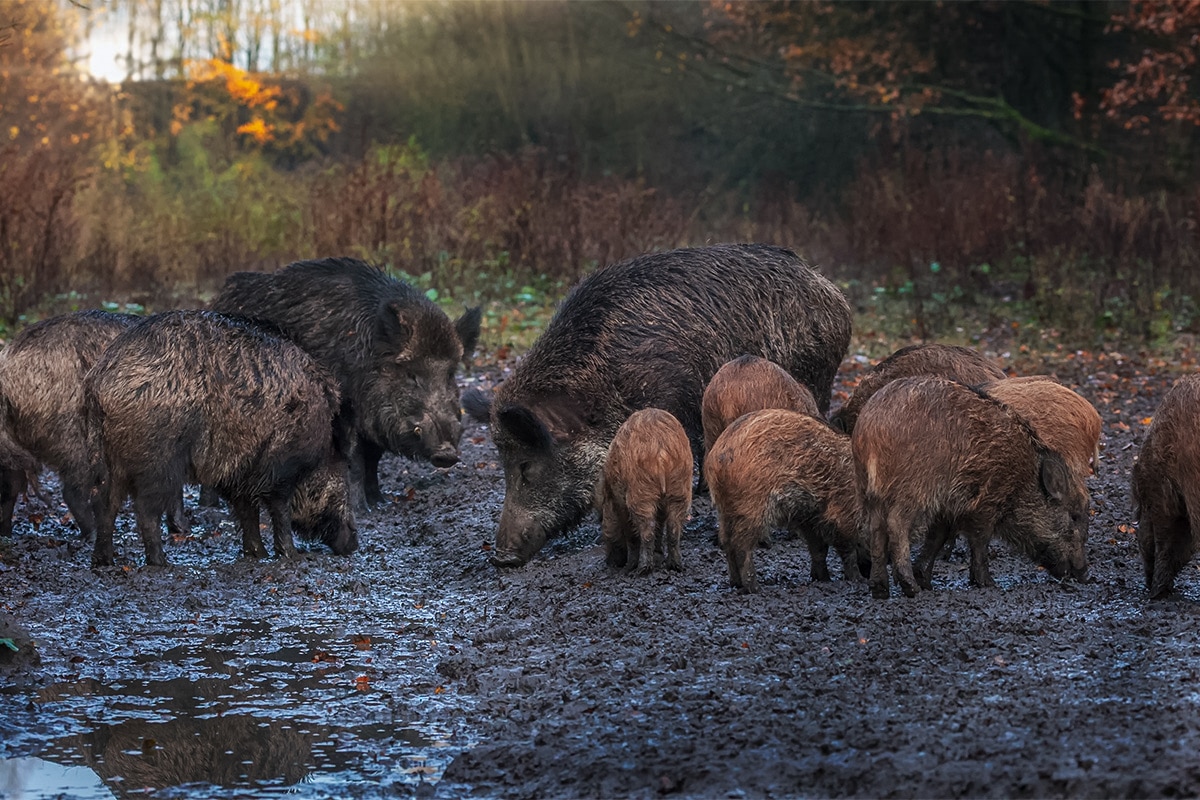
x=393, y=352
x=1065, y=422
x=41, y=409
x=783, y=469
x=194, y=396
x=645, y=491
x=746, y=384
x=934, y=458
x=648, y=333
x=1166, y=487
x=950, y=361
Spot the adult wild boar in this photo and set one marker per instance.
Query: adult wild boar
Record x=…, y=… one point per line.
x=41, y=409
x=960, y=364
x=648, y=333
x=393, y=352
x=1166, y=487
x=934, y=457
x=193, y=396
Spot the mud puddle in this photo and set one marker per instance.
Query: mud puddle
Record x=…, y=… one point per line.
x=219, y=677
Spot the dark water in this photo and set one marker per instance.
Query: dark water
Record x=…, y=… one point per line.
x=251, y=707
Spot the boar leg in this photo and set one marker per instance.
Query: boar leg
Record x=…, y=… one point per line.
x=208, y=497
x=612, y=531
x=818, y=551
x=281, y=527
x=75, y=496
x=1173, y=548
x=901, y=555
x=741, y=568
x=877, y=537
x=646, y=526
x=673, y=531
x=1147, y=544
x=245, y=511
x=851, y=566
x=104, y=502
x=371, y=453
x=935, y=541
x=175, y=519
x=12, y=482
x=978, y=538
x=148, y=511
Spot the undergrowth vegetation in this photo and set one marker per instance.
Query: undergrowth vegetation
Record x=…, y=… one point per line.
x=151, y=194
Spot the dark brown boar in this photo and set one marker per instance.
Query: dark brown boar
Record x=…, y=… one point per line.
x=41, y=409
x=393, y=352
x=746, y=384
x=645, y=491
x=956, y=363
x=648, y=333
x=782, y=469
x=1166, y=487
x=934, y=458
x=193, y=396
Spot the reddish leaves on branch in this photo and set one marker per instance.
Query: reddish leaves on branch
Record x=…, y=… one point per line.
x=1162, y=77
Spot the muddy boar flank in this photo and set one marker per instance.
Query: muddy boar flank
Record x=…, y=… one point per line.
x=782, y=469
x=393, y=352
x=1166, y=487
x=193, y=396
x=746, y=384
x=645, y=491
x=934, y=458
x=648, y=333
x=41, y=408
x=956, y=363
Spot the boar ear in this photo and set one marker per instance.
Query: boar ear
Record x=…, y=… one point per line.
x=395, y=327
x=467, y=328
x=477, y=404
x=524, y=426
x=1056, y=476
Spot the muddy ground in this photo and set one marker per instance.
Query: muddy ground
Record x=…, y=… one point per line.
x=414, y=667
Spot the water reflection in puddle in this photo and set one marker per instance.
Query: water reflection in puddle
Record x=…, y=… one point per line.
x=292, y=711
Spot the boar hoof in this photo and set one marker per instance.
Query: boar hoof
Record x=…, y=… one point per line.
x=881, y=591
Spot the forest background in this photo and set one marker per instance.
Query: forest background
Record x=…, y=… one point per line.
x=1025, y=165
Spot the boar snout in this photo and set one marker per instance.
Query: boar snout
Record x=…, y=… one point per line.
x=446, y=455
x=439, y=439
x=518, y=539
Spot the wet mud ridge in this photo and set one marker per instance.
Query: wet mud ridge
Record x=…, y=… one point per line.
x=416, y=668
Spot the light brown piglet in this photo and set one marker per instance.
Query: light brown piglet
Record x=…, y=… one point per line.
x=645, y=491
x=779, y=468
x=745, y=384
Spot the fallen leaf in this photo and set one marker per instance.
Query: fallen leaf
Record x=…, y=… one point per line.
x=361, y=642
